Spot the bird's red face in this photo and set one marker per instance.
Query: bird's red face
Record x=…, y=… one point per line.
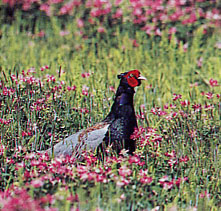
x=133, y=78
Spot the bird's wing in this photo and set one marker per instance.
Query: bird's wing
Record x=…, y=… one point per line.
x=86, y=139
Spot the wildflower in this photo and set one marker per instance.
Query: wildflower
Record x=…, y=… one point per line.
x=73, y=88
x=171, y=155
x=86, y=75
x=24, y=134
x=118, y=13
x=197, y=107
x=213, y=82
x=185, y=47
x=158, y=32
x=176, y=97
x=185, y=103
x=172, y=30
x=20, y=165
x=144, y=178
x=209, y=107
x=31, y=70
x=124, y=171
x=64, y=33
x=2, y=149
x=135, y=44
x=121, y=181
x=21, y=201
x=80, y=23
x=158, y=111
x=85, y=90
x=46, y=8
x=112, y=89
x=50, y=78
x=37, y=183
x=184, y=159
x=44, y=67
x=67, y=8
x=101, y=29
x=209, y=95
x=204, y=194
x=164, y=181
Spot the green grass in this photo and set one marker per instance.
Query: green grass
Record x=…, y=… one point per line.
x=168, y=69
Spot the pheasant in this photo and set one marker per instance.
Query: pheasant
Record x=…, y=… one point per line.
x=115, y=130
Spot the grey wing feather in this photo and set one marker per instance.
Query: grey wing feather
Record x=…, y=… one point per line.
x=76, y=143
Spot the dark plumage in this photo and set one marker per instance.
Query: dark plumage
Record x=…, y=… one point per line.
x=114, y=130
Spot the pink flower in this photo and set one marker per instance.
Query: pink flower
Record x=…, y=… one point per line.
x=204, y=194
x=124, y=171
x=185, y=47
x=117, y=2
x=185, y=103
x=209, y=95
x=44, y=68
x=192, y=18
x=176, y=15
x=24, y=134
x=213, y=82
x=64, y=33
x=118, y=13
x=37, y=183
x=80, y=23
x=67, y=8
x=46, y=8
x=172, y=30
x=112, y=89
x=121, y=181
x=144, y=178
x=171, y=155
x=158, y=32
x=135, y=44
x=137, y=11
x=86, y=75
x=167, y=185
x=176, y=97
x=85, y=90
x=208, y=107
x=184, y=159
x=197, y=107
x=101, y=29
x=73, y=88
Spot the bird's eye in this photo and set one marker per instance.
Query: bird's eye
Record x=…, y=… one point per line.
x=131, y=76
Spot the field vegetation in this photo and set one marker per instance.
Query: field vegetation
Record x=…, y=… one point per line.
x=58, y=66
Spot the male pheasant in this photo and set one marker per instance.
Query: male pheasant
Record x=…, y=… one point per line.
x=114, y=130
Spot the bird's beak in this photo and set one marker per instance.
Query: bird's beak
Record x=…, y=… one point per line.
x=141, y=77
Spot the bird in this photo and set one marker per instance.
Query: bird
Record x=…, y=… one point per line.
x=114, y=130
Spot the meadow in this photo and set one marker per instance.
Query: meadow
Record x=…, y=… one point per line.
x=59, y=62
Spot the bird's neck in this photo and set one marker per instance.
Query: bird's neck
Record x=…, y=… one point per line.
x=123, y=104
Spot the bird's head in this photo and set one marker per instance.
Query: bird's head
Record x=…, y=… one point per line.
x=132, y=78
